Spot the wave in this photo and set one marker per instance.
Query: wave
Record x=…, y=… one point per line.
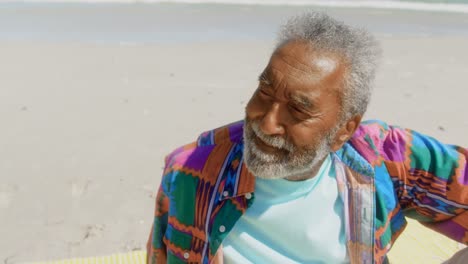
x=418, y=6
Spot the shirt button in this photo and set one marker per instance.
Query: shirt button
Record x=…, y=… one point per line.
x=248, y=196
x=225, y=193
x=186, y=255
x=222, y=229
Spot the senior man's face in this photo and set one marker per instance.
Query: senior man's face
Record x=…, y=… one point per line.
x=292, y=118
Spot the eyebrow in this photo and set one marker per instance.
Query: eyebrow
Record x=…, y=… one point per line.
x=302, y=101
x=263, y=78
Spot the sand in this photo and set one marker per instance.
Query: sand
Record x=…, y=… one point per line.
x=85, y=126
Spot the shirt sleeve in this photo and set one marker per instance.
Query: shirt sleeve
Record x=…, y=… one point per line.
x=156, y=249
x=430, y=179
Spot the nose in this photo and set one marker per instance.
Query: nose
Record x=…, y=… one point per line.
x=270, y=123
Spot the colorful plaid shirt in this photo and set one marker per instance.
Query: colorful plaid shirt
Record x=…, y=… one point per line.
x=384, y=173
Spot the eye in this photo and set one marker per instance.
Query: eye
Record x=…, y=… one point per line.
x=264, y=92
x=295, y=109
x=298, y=112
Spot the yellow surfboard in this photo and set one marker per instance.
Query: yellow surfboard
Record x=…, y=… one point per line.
x=417, y=244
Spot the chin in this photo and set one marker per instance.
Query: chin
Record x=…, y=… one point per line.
x=281, y=163
x=266, y=166
x=269, y=166
x=277, y=166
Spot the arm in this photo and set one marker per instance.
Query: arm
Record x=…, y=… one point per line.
x=430, y=180
x=156, y=249
x=156, y=246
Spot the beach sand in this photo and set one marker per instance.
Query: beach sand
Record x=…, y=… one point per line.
x=85, y=126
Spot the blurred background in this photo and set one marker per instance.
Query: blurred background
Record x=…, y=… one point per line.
x=94, y=94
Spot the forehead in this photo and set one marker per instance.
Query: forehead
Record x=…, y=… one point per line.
x=300, y=68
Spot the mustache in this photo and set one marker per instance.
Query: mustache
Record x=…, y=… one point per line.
x=274, y=141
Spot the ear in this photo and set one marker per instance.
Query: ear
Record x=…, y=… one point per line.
x=345, y=132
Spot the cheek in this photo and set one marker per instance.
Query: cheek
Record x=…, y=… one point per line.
x=254, y=108
x=305, y=137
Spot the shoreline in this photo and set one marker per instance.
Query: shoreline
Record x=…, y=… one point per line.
x=187, y=23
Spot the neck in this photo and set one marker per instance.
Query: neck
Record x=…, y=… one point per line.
x=309, y=174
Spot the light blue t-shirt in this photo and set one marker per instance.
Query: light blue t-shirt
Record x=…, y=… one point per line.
x=291, y=222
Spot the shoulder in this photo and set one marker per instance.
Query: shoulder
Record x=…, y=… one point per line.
x=377, y=141
x=375, y=130
x=210, y=148
x=231, y=133
x=374, y=139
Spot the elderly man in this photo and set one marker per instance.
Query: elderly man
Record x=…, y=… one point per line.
x=301, y=179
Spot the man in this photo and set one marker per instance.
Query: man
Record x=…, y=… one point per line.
x=301, y=179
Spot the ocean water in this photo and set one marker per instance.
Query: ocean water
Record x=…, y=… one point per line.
x=152, y=21
x=381, y=3
x=422, y=5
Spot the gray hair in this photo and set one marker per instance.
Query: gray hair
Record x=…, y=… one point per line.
x=357, y=46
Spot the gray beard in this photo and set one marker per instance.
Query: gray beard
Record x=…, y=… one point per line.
x=288, y=162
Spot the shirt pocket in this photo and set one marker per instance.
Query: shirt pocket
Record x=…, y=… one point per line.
x=184, y=244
